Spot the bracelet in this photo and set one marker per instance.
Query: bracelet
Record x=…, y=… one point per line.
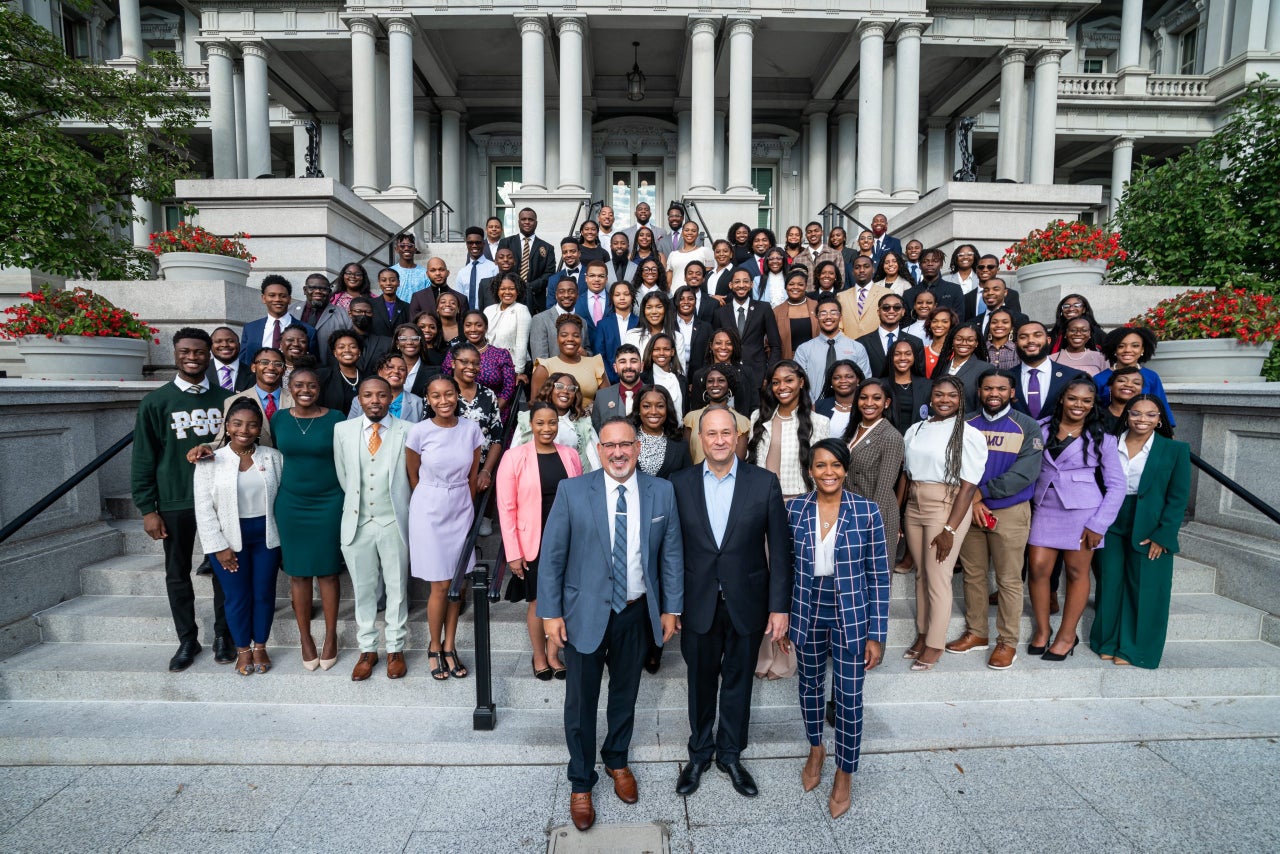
x=949, y=529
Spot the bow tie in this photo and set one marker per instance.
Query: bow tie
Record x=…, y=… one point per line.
x=572, y=271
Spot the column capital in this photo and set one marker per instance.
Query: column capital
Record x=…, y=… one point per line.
x=423, y=104
x=403, y=26
x=702, y=25
x=571, y=24
x=818, y=108
x=682, y=105
x=1123, y=142
x=327, y=118
x=872, y=27
x=451, y=105
x=912, y=28
x=255, y=48
x=1013, y=53
x=742, y=25
x=222, y=49
x=1049, y=55
x=363, y=26
x=845, y=107
x=531, y=24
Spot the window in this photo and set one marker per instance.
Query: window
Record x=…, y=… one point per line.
x=1187, y=51
x=506, y=180
x=1094, y=65
x=172, y=215
x=762, y=180
x=75, y=37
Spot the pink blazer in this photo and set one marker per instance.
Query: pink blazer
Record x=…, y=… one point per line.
x=520, y=497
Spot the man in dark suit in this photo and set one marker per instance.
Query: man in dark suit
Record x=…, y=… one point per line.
x=945, y=293
x=266, y=331
x=992, y=294
x=756, y=324
x=506, y=262
x=572, y=269
x=225, y=370
x=885, y=242
x=761, y=241
x=610, y=580
x=535, y=259
x=316, y=311
x=878, y=343
x=737, y=587
x=1039, y=381
x=424, y=301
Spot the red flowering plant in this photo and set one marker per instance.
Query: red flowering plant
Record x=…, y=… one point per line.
x=1227, y=313
x=192, y=238
x=54, y=313
x=1061, y=240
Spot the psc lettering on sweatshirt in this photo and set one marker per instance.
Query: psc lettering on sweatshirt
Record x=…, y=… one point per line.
x=201, y=422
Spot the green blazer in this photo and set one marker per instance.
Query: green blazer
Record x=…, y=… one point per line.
x=1163, y=492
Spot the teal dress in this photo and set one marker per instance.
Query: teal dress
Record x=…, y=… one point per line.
x=308, y=505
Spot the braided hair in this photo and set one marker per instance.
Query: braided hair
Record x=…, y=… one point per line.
x=803, y=415
x=955, y=444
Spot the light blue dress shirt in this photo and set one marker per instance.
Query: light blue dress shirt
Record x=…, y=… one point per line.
x=718, y=493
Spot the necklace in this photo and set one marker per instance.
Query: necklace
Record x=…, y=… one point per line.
x=310, y=419
x=352, y=383
x=840, y=407
x=248, y=453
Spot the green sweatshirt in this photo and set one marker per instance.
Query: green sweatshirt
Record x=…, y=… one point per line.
x=170, y=423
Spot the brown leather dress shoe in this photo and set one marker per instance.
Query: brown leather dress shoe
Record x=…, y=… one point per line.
x=396, y=668
x=1002, y=657
x=624, y=784
x=581, y=810
x=364, y=667
x=966, y=642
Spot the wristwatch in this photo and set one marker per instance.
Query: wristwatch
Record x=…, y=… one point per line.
x=948, y=529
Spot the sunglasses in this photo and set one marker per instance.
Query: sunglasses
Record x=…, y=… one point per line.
x=987, y=266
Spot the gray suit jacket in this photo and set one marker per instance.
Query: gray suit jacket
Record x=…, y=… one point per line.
x=347, y=445
x=608, y=404
x=542, y=336
x=334, y=319
x=576, y=561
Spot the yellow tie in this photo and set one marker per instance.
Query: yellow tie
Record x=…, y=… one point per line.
x=375, y=441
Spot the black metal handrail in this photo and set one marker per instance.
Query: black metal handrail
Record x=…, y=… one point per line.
x=1245, y=495
x=66, y=486
x=691, y=208
x=439, y=211
x=591, y=206
x=833, y=209
x=391, y=236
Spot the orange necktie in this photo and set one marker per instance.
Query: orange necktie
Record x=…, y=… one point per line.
x=375, y=441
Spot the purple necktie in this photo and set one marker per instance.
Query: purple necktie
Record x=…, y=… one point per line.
x=1033, y=393
x=226, y=378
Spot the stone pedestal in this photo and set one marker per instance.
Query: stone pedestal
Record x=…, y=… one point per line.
x=169, y=306
x=1113, y=305
x=399, y=206
x=721, y=210
x=297, y=226
x=556, y=210
x=15, y=283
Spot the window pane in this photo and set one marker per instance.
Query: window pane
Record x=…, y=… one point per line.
x=762, y=181
x=506, y=181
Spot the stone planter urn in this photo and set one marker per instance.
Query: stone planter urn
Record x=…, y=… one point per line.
x=1210, y=360
x=203, y=267
x=1069, y=274
x=80, y=357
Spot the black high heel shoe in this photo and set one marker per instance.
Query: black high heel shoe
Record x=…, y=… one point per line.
x=1055, y=656
x=1032, y=649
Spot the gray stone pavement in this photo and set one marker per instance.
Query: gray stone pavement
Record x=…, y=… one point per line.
x=1168, y=796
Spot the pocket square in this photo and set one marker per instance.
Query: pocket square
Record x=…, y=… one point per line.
x=656, y=519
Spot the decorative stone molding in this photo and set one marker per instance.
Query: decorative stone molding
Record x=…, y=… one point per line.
x=531, y=24
x=1013, y=54
x=703, y=26
x=575, y=24
x=364, y=26
x=869, y=28
x=742, y=26
x=398, y=25
x=1049, y=55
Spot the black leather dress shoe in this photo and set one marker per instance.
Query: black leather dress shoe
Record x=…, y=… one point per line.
x=187, y=652
x=831, y=712
x=691, y=777
x=743, y=783
x=224, y=651
x=205, y=568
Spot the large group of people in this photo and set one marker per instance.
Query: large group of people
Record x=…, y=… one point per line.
x=733, y=439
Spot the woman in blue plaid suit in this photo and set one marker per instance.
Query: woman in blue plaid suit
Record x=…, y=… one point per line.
x=839, y=608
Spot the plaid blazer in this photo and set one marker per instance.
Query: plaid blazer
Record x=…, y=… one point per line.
x=862, y=569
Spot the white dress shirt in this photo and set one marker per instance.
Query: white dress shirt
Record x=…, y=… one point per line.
x=884, y=334
x=192, y=388
x=671, y=383
x=268, y=331
x=1133, y=468
x=684, y=340
x=600, y=299
x=1044, y=370
x=824, y=556
x=251, y=492
x=485, y=269
x=231, y=370
x=635, y=573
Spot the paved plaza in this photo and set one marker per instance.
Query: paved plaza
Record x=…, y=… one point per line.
x=1172, y=796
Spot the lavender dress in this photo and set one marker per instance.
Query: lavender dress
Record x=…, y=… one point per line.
x=441, y=510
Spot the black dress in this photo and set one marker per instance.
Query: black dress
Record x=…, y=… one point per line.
x=801, y=331
x=551, y=471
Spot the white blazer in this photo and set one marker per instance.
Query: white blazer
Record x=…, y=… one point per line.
x=509, y=329
x=217, y=501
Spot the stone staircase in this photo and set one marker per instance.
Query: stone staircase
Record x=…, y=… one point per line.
x=97, y=689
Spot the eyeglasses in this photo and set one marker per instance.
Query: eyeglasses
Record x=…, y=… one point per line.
x=892, y=308
x=564, y=387
x=405, y=339
x=317, y=288
x=267, y=363
x=1073, y=305
x=466, y=363
x=985, y=266
x=352, y=274
x=610, y=447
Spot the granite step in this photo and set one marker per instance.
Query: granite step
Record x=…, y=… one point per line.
x=147, y=619
x=84, y=733
x=142, y=574
x=136, y=673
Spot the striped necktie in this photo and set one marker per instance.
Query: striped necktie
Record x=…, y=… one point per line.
x=620, y=552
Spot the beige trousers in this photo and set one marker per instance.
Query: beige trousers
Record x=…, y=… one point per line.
x=928, y=508
x=1004, y=549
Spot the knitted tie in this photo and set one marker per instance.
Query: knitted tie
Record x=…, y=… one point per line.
x=620, y=552
x=375, y=441
x=524, y=260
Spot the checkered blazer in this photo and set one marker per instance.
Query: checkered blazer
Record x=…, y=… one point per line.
x=862, y=569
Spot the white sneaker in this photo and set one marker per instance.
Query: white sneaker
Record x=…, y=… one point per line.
x=486, y=528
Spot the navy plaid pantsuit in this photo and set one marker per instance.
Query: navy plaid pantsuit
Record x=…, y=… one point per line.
x=834, y=617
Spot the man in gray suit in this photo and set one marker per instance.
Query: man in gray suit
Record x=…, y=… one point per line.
x=316, y=311
x=368, y=453
x=610, y=579
x=621, y=397
x=542, y=329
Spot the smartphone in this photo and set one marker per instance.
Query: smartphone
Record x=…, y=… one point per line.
x=989, y=521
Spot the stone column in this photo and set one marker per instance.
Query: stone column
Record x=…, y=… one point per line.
x=242, y=156
x=1044, y=117
x=702, y=116
x=257, y=116
x=299, y=146
x=451, y=164
x=222, y=110
x=381, y=103
x=870, y=105
x=533, y=165
x=423, y=156
x=816, y=165
x=131, y=46
x=906, y=138
x=588, y=164
x=1121, y=169
x=1013, y=72
x=741, y=39
x=330, y=145
x=846, y=152
x=1273, y=26
x=190, y=32
x=141, y=227
x=364, y=118
x=400, y=103
x=571, y=31
x=684, y=150
x=717, y=129
x=1130, y=34
x=936, y=153
x=551, y=155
